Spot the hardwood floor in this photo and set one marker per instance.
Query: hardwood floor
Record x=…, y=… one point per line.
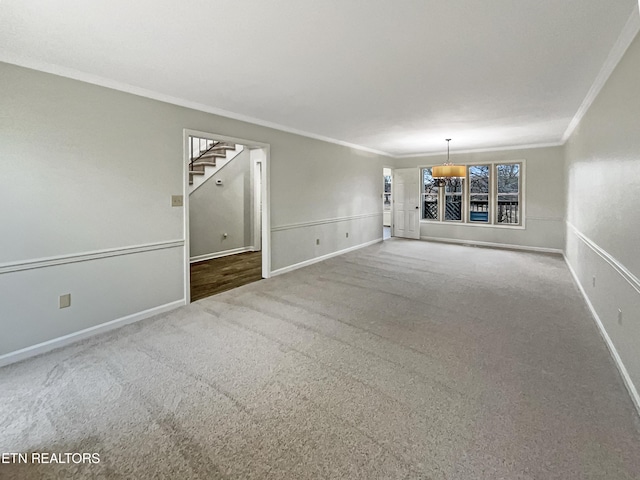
x=220, y=274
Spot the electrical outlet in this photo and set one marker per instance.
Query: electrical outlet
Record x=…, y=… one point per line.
x=317, y=241
x=177, y=201
x=347, y=234
x=594, y=280
x=619, y=317
x=65, y=300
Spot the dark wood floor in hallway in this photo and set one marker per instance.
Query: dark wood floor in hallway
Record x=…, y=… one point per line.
x=221, y=274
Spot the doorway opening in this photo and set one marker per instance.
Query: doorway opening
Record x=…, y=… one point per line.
x=226, y=221
x=387, y=211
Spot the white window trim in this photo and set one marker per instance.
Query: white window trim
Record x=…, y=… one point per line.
x=492, y=198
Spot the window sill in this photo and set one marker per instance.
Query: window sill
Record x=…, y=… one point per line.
x=470, y=224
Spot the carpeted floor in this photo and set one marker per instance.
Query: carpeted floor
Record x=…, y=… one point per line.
x=405, y=360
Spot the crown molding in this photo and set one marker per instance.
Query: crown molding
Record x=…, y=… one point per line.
x=483, y=150
x=629, y=32
x=181, y=102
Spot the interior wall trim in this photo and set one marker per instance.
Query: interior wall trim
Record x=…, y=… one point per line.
x=506, y=246
x=311, y=261
x=526, y=146
x=633, y=391
x=291, y=226
x=602, y=253
x=629, y=32
x=86, y=256
x=224, y=253
x=40, y=348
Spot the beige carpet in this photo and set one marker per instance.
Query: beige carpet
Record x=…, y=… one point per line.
x=406, y=359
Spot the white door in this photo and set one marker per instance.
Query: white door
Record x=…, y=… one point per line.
x=406, y=205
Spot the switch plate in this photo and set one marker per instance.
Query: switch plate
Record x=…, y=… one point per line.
x=619, y=317
x=594, y=280
x=65, y=300
x=347, y=234
x=317, y=241
x=177, y=201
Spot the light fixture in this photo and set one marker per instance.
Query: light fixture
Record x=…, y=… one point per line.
x=441, y=173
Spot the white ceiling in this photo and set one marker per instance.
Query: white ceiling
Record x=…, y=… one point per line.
x=395, y=76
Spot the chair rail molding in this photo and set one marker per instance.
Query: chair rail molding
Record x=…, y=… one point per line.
x=325, y=221
x=87, y=256
x=607, y=257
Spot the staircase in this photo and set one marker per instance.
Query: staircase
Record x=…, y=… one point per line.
x=207, y=157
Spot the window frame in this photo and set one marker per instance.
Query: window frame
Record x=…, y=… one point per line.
x=489, y=195
x=455, y=194
x=496, y=194
x=493, y=196
x=423, y=196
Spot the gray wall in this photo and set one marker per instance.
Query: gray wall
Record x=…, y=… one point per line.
x=544, y=199
x=603, y=206
x=218, y=209
x=87, y=210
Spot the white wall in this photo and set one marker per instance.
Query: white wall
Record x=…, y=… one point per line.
x=102, y=290
x=544, y=199
x=218, y=209
x=79, y=185
x=603, y=207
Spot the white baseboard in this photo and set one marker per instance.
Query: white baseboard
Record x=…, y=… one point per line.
x=493, y=245
x=224, y=253
x=633, y=391
x=311, y=261
x=49, y=345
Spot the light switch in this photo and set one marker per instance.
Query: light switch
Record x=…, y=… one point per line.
x=176, y=200
x=65, y=300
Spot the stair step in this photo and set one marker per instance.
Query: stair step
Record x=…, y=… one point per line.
x=219, y=148
x=213, y=154
x=209, y=158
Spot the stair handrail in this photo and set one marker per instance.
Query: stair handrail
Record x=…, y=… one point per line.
x=202, y=154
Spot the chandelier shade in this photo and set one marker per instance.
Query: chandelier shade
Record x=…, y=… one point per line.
x=449, y=171
x=441, y=173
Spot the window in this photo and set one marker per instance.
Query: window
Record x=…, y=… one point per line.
x=453, y=200
x=387, y=192
x=491, y=195
x=479, y=193
x=429, y=196
x=508, y=205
